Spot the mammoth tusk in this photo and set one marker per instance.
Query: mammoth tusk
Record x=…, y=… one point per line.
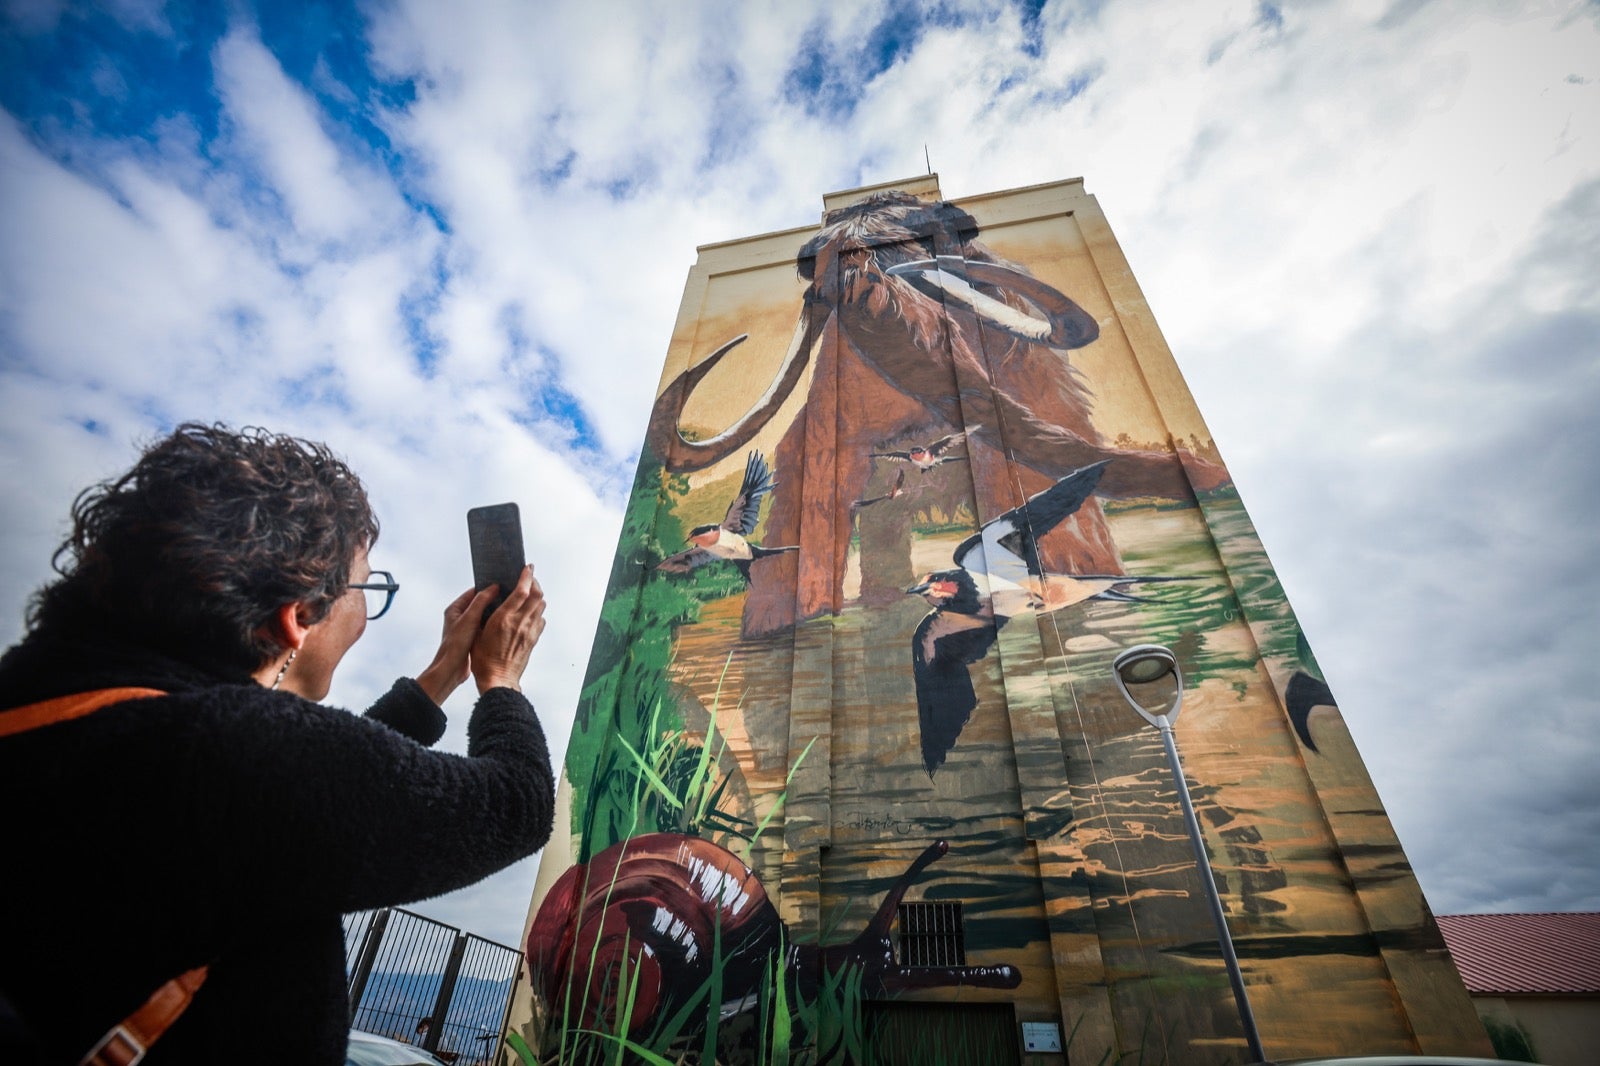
x=1065, y=325
x=678, y=453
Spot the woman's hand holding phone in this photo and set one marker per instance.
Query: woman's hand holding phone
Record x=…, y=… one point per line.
x=501, y=650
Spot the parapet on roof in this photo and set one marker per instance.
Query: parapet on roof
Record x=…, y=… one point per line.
x=1520, y=954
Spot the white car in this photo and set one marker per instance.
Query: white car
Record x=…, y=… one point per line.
x=368, y=1049
x=1396, y=1060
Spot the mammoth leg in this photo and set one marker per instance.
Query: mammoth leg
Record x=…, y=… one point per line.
x=871, y=412
x=885, y=547
x=823, y=463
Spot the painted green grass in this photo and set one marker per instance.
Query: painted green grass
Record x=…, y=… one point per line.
x=626, y=717
x=678, y=775
x=625, y=684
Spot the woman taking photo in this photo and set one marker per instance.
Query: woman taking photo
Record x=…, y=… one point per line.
x=182, y=818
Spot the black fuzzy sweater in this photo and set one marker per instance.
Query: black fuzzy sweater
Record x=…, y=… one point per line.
x=229, y=825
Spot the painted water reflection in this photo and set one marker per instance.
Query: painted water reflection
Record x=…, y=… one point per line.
x=1124, y=870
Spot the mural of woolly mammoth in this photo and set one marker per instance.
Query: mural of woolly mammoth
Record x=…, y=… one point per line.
x=873, y=572
x=914, y=327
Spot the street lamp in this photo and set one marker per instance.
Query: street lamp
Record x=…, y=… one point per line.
x=1145, y=664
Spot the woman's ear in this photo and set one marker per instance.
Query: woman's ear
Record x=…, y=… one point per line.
x=290, y=625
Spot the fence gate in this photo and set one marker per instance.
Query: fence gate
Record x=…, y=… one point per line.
x=429, y=984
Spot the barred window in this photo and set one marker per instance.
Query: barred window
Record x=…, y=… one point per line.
x=931, y=935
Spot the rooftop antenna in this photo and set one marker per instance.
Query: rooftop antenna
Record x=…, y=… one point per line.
x=927, y=159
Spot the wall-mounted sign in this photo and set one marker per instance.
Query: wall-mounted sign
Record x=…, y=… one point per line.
x=1041, y=1036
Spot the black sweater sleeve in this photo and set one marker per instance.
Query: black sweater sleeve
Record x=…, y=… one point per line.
x=409, y=710
x=327, y=811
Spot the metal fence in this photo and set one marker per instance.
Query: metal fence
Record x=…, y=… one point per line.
x=429, y=984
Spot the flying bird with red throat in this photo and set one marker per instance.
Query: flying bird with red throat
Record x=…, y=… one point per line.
x=927, y=456
x=728, y=541
x=897, y=490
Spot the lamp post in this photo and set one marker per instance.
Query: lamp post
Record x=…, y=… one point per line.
x=1145, y=664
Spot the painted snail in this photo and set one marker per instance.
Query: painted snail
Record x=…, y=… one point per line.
x=666, y=906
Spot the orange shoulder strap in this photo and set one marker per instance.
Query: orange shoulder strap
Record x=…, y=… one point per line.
x=127, y=1041
x=66, y=708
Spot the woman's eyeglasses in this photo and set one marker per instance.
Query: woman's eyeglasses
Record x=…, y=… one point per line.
x=379, y=589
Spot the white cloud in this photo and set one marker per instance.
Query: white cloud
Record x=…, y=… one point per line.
x=327, y=199
x=1369, y=240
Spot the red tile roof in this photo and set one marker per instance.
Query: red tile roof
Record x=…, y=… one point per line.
x=1501, y=954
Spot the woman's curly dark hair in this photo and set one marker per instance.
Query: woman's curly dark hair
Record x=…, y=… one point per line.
x=194, y=549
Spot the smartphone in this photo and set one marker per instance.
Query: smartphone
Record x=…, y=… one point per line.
x=495, y=535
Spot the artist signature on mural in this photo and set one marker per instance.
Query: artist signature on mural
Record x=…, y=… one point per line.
x=899, y=826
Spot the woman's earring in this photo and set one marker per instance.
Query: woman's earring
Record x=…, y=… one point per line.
x=284, y=669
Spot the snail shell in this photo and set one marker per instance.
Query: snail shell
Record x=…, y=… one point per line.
x=659, y=909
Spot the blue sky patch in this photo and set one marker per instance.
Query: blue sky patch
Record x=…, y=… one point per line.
x=1057, y=95
x=552, y=402
x=634, y=176
x=892, y=39
x=322, y=387
x=91, y=76
x=536, y=374
x=555, y=173
x=731, y=124
x=815, y=80
x=1032, y=34
x=827, y=79
x=324, y=49
x=417, y=308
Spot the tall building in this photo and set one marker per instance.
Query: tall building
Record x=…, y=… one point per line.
x=850, y=774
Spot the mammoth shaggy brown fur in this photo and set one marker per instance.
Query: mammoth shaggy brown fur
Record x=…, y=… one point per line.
x=917, y=329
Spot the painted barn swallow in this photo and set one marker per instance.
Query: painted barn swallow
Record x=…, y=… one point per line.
x=997, y=576
x=927, y=456
x=958, y=632
x=726, y=542
x=898, y=489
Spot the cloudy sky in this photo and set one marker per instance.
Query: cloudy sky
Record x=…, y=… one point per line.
x=450, y=240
